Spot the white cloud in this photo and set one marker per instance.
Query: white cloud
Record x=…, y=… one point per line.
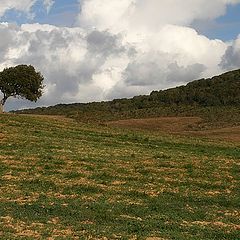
x=231, y=59
x=134, y=15
x=48, y=4
x=69, y=58
x=24, y=6
x=20, y=5
x=117, y=50
x=160, y=37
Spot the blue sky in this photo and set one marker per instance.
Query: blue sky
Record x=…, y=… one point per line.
x=226, y=27
x=64, y=12
x=229, y=25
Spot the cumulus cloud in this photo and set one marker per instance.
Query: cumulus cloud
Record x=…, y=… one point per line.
x=70, y=58
x=57, y=52
x=116, y=50
x=231, y=59
x=148, y=73
x=135, y=15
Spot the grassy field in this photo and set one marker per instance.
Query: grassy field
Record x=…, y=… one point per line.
x=60, y=179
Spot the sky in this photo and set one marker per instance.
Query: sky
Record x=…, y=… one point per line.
x=95, y=50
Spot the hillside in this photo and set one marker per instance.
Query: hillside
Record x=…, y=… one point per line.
x=61, y=179
x=215, y=100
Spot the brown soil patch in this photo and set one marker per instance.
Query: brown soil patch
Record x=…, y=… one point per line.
x=180, y=126
x=164, y=124
x=228, y=134
x=2, y=137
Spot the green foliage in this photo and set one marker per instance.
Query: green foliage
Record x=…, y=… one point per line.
x=217, y=91
x=212, y=99
x=21, y=81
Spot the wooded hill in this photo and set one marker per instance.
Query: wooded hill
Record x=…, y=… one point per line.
x=216, y=98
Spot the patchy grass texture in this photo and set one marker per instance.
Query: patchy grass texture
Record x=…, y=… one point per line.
x=60, y=179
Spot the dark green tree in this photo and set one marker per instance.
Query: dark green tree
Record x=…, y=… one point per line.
x=21, y=81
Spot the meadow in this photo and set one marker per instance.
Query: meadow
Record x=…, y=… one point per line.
x=63, y=179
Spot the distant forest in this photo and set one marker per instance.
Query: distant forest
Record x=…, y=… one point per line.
x=216, y=98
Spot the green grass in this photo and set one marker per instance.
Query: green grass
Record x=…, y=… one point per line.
x=67, y=180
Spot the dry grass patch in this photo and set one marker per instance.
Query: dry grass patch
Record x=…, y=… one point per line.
x=186, y=126
x=213, y=224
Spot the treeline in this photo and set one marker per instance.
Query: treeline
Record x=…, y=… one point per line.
x=218, y=96
x=217, y=91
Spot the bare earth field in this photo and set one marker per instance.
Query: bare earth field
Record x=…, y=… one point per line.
x=186, y=126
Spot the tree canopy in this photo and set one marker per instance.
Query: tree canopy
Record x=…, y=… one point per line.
x=21, y=81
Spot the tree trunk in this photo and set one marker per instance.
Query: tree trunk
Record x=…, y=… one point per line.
x=2, y=102
x=1, y=108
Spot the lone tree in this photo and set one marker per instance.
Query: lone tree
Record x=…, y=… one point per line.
x=20, y=81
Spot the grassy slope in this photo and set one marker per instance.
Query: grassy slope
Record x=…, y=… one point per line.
x=64, y=180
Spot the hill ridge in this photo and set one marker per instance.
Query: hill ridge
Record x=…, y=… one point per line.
x=219, y=95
